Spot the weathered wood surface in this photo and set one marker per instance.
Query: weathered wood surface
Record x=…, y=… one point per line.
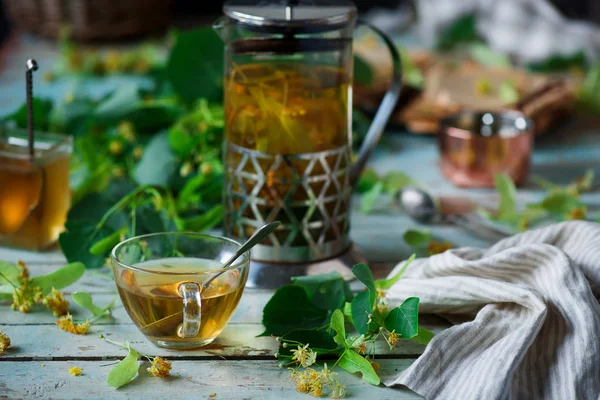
x=247, y=379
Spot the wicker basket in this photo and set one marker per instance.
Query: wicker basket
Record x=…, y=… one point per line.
x=90, y=19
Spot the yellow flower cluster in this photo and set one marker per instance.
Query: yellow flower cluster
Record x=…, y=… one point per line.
x=66, y=324
x=438, y=247
x=75, y=371
x=57, y=303
x=160, y=367
x=393, y=338
x=313, y=382
x=26, y=295
x=304, y=356
x=577, y=213
x=4, y=341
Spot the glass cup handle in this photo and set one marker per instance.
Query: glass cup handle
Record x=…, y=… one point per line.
x=192, y=310
x=385, y=108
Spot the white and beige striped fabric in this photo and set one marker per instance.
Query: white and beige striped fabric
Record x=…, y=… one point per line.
x=533, y=318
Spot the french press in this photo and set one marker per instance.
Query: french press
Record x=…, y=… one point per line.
x=288, y=132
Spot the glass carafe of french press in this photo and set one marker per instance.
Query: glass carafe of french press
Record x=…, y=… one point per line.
x=288, y=128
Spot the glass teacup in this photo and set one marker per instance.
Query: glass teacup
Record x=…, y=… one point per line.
x=161, y=280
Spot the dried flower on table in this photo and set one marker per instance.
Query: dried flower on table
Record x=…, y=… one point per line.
x=75, y=371
x=4, y=341
x=66, y=324
x=304, y=356
x=57, y=303
x=435, y=247
x=160, y=367
x=212, y=395
x=314, y=383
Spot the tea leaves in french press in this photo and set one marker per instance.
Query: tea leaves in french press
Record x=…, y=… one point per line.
x=288, y=132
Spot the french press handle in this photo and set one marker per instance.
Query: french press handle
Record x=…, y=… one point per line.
x=384, y=111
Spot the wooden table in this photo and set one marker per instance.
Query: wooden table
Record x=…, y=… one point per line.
x=237, y=364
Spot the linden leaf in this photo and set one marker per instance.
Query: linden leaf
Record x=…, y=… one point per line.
x=404, y=319
x=84, y=299
x=327, y=291
x=122, y=373
x=59, y=279
x=416, y=239
x=353, y=362
x=507, y=209
x=337, y=324
x=369, y=198
x=363, y=273
x=361, y=309
x=386, y=284
x=424, y=336
x=289, y=309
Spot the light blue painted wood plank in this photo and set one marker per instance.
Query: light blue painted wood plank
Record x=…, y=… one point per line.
x=191, y=379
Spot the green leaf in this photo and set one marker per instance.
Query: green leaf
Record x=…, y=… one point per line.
x=122, y=373
x=507, y=209
x=158, y=164
x=106, y=244
x=367, y=180
x=589, y=95
x=363, y=73
x=508, y=93
x=560, y=63
x=560, y=202
x=369, y=198
x=337, y=324
x=415, y=238
x=196, y=65
x=9, y=274
x=424, y=336
x=59, y=279
x=84, y=299
x=411, y=73
x=484, y=55
x=386, y=284
x=463, y=30
x=41, y=114
x=363, y=273
x=361, y=307
x=327, y=291
x=289, y=309
x=404, y=319
x=319, y=340
x=205, y=221
x=393, y=181
x=75, y=242
x=119, y=104
x=353, y=362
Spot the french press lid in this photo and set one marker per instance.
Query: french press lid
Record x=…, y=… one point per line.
x=292, y=15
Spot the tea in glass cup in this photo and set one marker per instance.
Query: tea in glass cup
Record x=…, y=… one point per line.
x=161, y=281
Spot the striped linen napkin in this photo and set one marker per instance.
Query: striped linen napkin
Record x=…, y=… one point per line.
x=533, y=329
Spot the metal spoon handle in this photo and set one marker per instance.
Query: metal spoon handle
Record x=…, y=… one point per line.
x=258, y=236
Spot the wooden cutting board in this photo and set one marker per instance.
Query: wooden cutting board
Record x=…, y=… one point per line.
x=455, y=83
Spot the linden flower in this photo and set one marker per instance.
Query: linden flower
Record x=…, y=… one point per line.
x=577, y=213
x=438, y=247
x=393, y=339
x=57, y=303
x=362, y=348
x=4, y=341
x=66, y=324
x=160, y=367
x=338, y=391
x=26, y=295
x=75, y=371
x=304, y=356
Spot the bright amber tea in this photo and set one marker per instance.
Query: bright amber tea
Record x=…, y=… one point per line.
x=154, y=304
x=34, y=197
x=287, y=108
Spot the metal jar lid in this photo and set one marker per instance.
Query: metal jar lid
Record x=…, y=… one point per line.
x=295, y=15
